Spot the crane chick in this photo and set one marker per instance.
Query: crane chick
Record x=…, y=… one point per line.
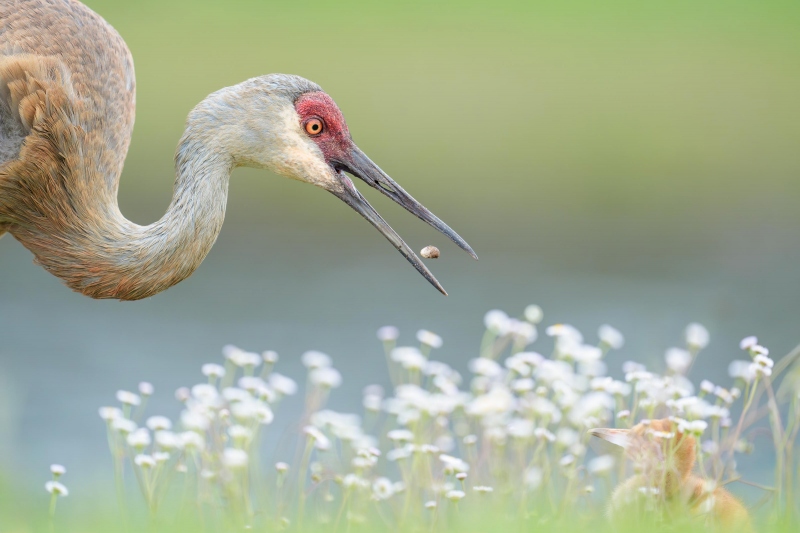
x=664, y=487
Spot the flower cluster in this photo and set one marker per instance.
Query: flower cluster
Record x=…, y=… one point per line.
x=516, y=427
x=214, y=438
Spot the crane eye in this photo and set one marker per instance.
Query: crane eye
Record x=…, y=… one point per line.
x=314, y=126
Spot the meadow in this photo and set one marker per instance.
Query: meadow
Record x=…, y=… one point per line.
x=507, y=446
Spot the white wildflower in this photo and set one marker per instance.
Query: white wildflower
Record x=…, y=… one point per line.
x=696, y=336
x=234, y=458
x=191, y=440
x=205, y=393
x=498, y=400
x=584, y=353
x=748, y=342
x=567, y=460
x=167, y=440
x=565, y=331
x=235, y=394
x=567, y=437
x=400, y=435
x=429, y=338
x=285, y=386
x=146, y=389
x=453, y=464
x=195, y=420
x=710, y=447
x=544, y=433
x=161, y=457
x=409, y=357
x=139, y=439
x=520, y=428
x=128, y=398
x=157, y=423
x=524, y=332
x=693, y=427
x=321, y=442
x=110, y=413
x=252, y=410
x=240, y=433
x=483, y=489
x=485, y=367
x=241, y=358
x=742, y=370
x=534, y=477
x=388, y=334
x=724, y=395
x=54, y=487
x=314, y=359
x=533, y=314
x=252, y=384
x=144, y=461
x=678, y=360
x=325, y=377
x=430, y=504
x=764, y=361
x=761, y=370
x=521, y=386
x=706, y=386
x=123, y=425
x=496, y=321
x=382, y=488
x=632, y=366
x=611, y=337
x=399, y=453
x=182, y=394
x=601, y=465
x=454, y=495
x=213, y=370
x=372, y=402
x=57, y=470
x=270, y=357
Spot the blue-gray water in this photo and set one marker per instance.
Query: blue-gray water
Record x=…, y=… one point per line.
x=286, y=289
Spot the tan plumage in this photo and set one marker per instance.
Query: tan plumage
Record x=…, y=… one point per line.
x=67, y=94
x=664, y=489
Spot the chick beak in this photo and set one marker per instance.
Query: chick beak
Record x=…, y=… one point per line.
x=617, y=437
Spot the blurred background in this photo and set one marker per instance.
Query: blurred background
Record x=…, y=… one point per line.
x=624, y=162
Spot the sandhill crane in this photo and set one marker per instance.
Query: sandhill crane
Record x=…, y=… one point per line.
x=664, y=487
x=67, y=93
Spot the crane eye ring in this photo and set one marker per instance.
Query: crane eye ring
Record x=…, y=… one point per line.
x=314, y=126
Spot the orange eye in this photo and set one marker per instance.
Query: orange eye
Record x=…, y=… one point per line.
x=314, y=126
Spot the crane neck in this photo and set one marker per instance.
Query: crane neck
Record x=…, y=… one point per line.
x=55, y=204
x=169, y=250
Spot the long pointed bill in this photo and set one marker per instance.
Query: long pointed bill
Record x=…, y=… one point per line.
x=354, y=199
x=357, y=163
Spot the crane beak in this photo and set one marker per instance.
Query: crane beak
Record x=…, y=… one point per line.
x=359, y=165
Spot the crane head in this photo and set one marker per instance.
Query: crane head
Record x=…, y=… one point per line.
x=292, y=127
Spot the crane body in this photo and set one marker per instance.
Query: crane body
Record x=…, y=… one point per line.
x=67, y=101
